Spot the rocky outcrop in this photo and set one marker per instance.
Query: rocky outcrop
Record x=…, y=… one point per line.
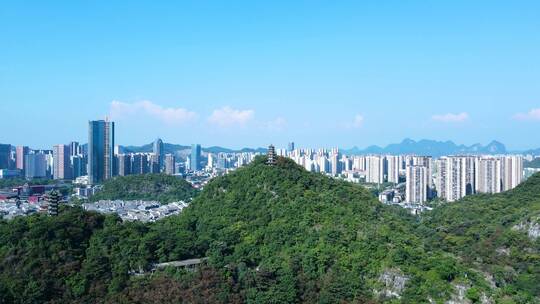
x=459, y=296
x=394, y=281
x=503, y=251
x=531, y=227
x=484, y=299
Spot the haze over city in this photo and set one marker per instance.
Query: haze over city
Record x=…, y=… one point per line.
x=246, y=74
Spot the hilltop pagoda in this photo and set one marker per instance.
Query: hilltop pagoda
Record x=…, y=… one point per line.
x=53, y=200
x=271, y=155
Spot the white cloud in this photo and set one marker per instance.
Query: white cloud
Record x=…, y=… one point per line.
x=277, y=124
x=451, y=117
x=533, y=114
x=358, y=121
x=121, y=110
x=227, y=116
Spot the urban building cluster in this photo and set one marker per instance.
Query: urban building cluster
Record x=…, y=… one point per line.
x=100, y=159
x=144, y=211
x=449, y=177
x=26, y=200
x=88, y=165
x=12, y=208
x=63, y=161
x=409, y=180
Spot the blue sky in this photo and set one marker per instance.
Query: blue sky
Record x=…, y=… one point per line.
x=250, y=73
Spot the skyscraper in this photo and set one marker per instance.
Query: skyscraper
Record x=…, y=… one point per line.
x=211, y=161
x=124, y=164
x=118, y=149
x=153, y=165
x=62, y=168
x=195, y=157
x=35, y=165
x=140, y=163
x=5, y=156
x=21, y=152
x=290, y=146
x=100, y=150
x=74, y=148
x=77, y=165
x=170, y=164
x=158, y=151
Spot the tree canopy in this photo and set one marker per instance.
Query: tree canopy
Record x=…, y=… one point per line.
x=159, y=187
x=279, y=234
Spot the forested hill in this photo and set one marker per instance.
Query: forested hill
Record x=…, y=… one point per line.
x=160, y=187
x=286, y=235
x=279, y=234
x=497, y=234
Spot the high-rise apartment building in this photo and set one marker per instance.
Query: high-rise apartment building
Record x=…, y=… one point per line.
x=100, y=150
x=513, y=171
x=489, y=175
x=323, y=164
x=455, y=179
x=211, y=161
x=468, y=170
x=170, y=162
x=290, y=146
x=416, y=189
x=124, y=164
x=153, y=163
x=458, y=176
x=359, y=163
x=441, y=177
x=61, y=156
x=140, y=163
x=20, y=154
x=392, y=165
x=425, y=161
x=335, y=164
x=374, y=169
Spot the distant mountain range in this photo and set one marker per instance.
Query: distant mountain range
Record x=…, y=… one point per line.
x=430, y=147
x=182, y=149
x=532, y=151
x=407, y=146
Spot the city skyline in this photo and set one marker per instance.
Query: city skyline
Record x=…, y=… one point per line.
x=369, y=149
x=321, y=73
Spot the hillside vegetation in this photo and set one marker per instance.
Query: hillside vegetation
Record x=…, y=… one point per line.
x=494, y=234
x=159, y=187
x=278, y=234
